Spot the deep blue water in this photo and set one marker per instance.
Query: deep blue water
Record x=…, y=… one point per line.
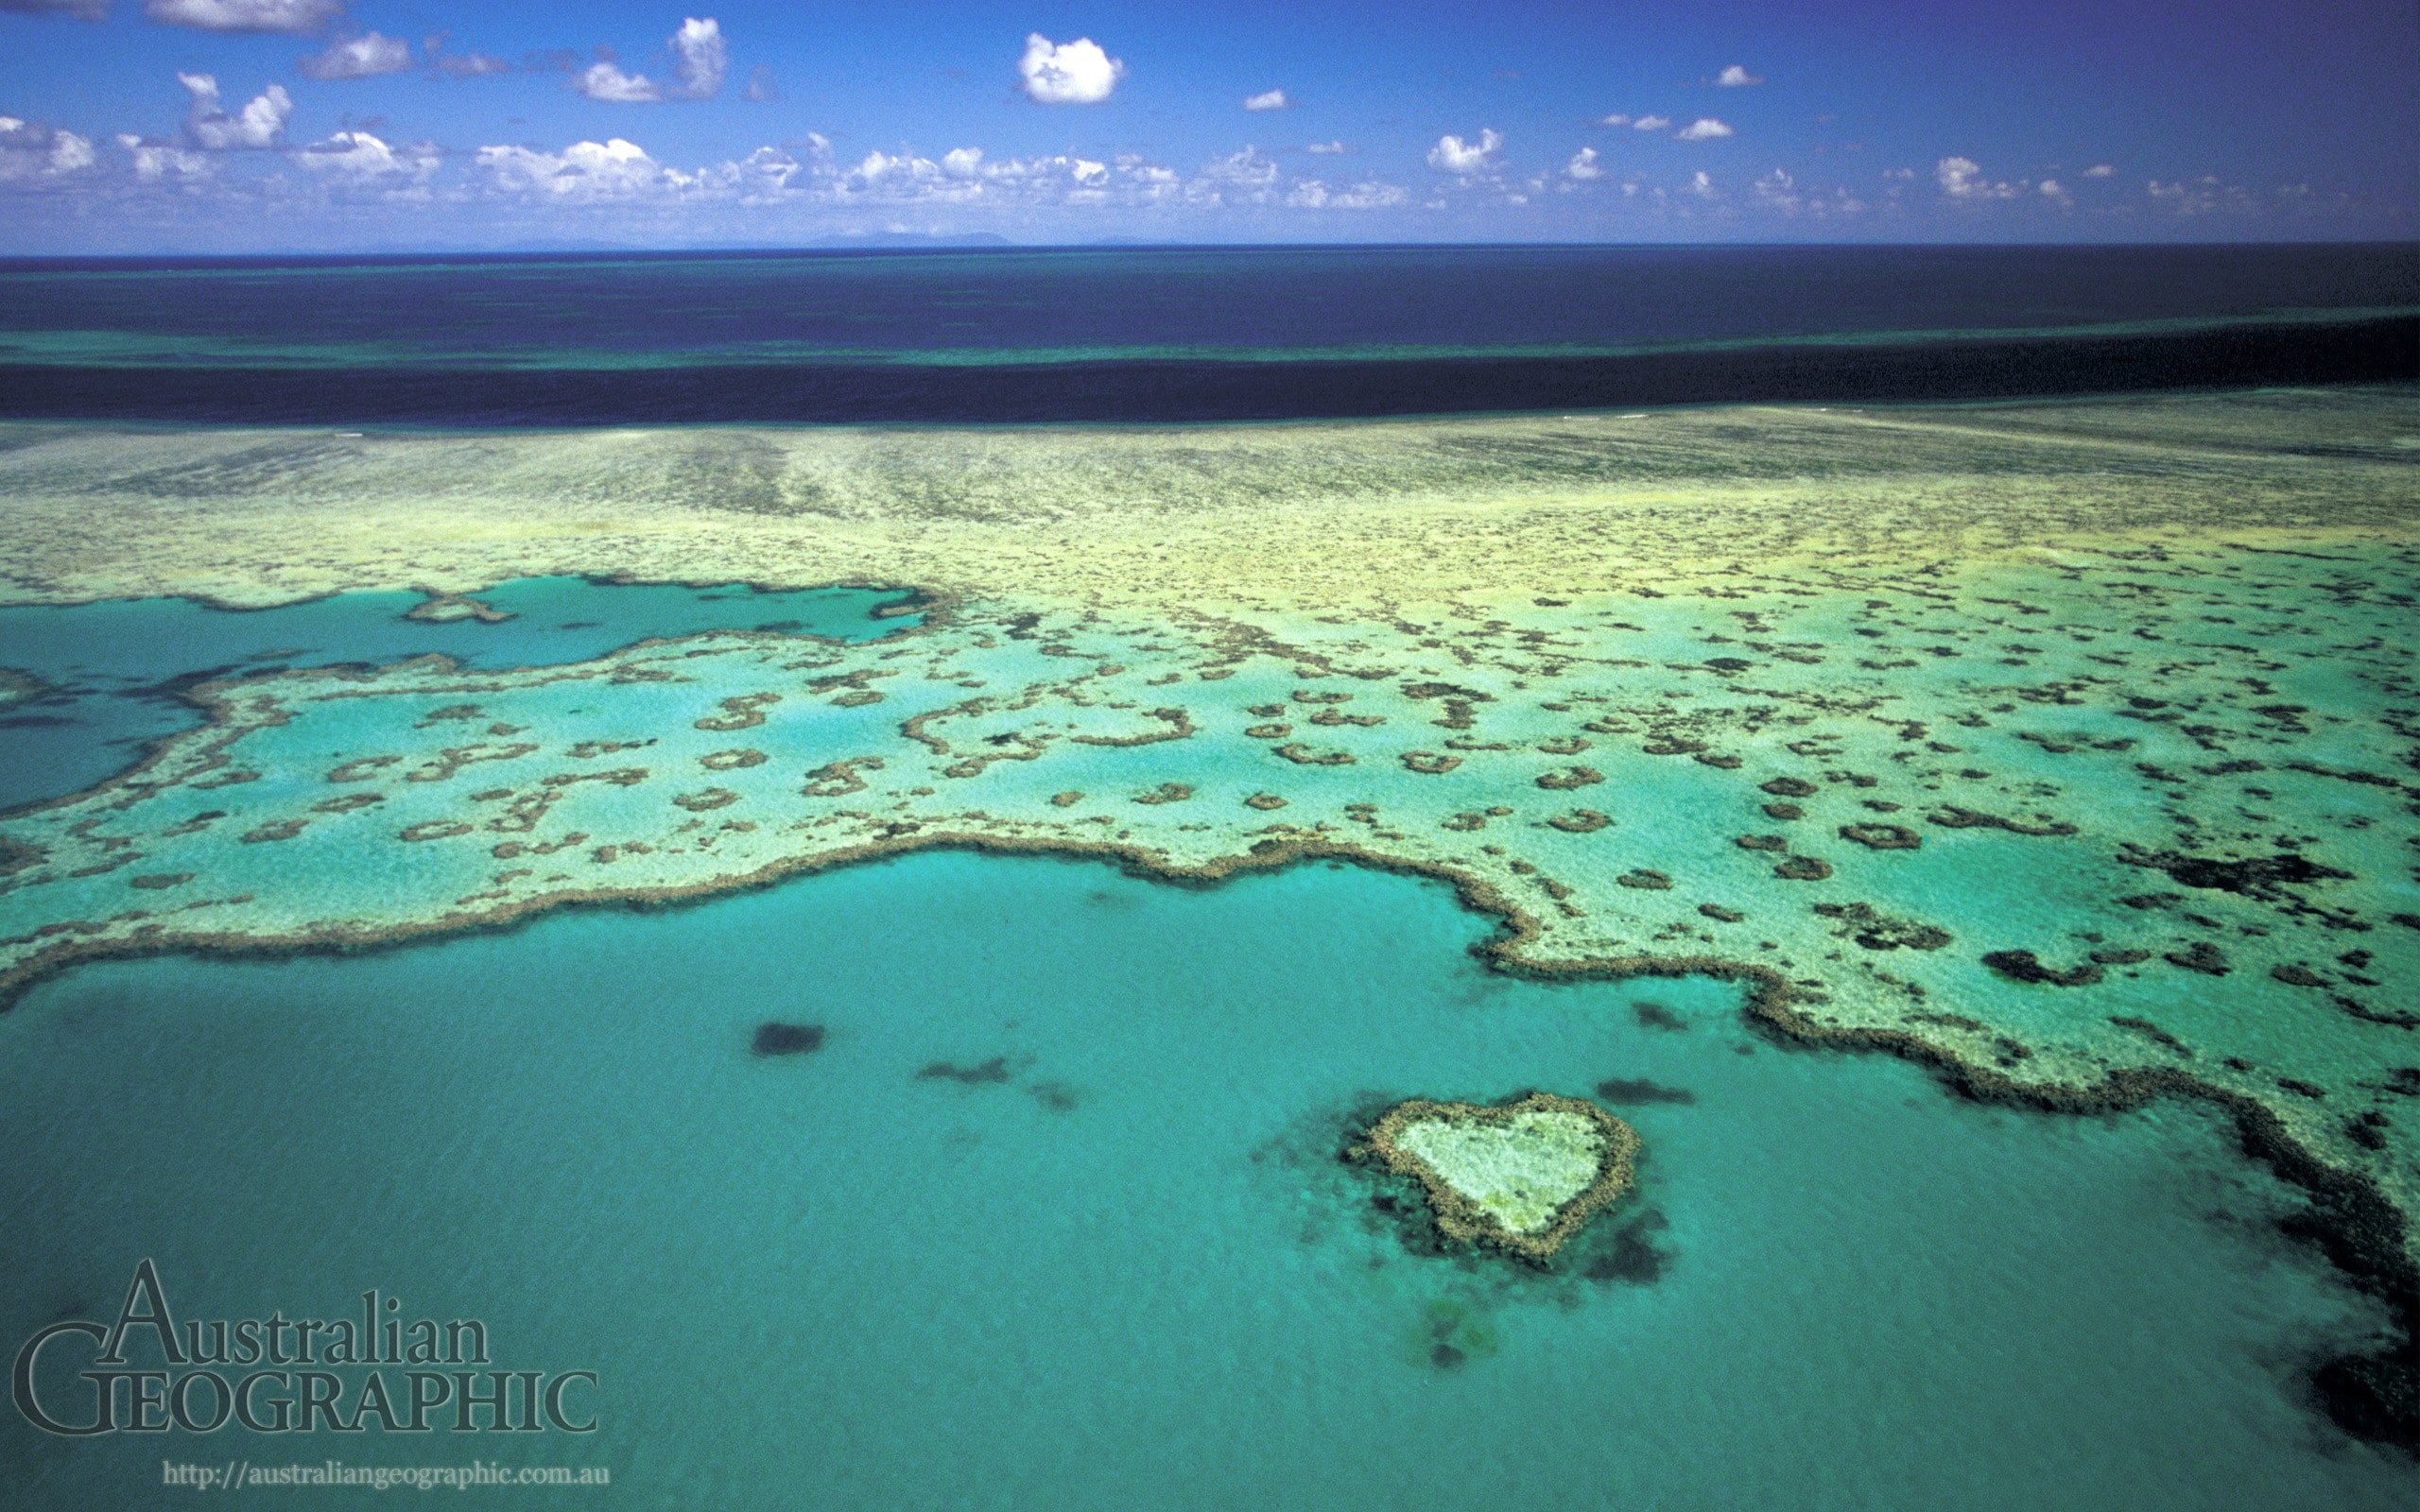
x=109, y=678
x=1178, y=334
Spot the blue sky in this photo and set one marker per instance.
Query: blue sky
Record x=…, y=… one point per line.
x=310, y=124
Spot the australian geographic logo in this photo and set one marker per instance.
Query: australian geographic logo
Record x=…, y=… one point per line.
x=282, y=1375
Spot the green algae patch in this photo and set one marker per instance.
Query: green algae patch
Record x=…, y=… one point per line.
x=1522, y=1176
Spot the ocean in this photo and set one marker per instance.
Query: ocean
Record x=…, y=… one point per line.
x=2060, y=735
x=1055, y=1217
x=1177, y=333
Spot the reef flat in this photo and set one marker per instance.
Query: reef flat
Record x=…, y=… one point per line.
x=1522, y=1176
x=2069, y=748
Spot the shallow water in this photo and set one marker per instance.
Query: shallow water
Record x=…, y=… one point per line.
x=1128, y=1271
x=111, y=675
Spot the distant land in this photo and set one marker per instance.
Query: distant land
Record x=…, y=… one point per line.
x=913, y=239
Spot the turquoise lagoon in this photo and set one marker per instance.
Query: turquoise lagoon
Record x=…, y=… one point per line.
x=108, y=678
x=1123, y=1268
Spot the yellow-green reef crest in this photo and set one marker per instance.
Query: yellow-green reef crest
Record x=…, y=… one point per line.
x=2072, y=749
x=1522, y=1175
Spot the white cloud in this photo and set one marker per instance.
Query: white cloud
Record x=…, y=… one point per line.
x=764, y=174
x=1584, y=164
x=292, y=17
x=1073, y=73
x=2203, y=196
x=699, y=61
x=359, y=58
x=1963, y=179
x=1327, y=148
x=761, y=87
x=1453, y=155
x=358, y=158
x=879, y=167
x=965, y=176
x=603, y=80
x=1701, y=185
x=611, y=181
x=1616, y=119
x=31, y=154
x=257, y=125
x=1735, y=77
x=1147, y=183
x=585, y=171
x=1783, y=194
x=1704, y=128
x=80, y=9
x=2099, y=170
x=463, y=65
x=1651, y=123
x=1250, y=170
x=154, y=160
x=1267, y=100
x=700, y=65
x=1313, y=193
x=2052, y=189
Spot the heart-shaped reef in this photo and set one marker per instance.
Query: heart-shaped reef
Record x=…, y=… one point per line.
x=1522, y=1175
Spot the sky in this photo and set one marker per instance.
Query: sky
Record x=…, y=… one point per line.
x=306, y=125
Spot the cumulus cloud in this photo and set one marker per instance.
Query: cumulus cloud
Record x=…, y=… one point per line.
x=699, y=65
x=1071, y=73
x=764, y=174
x=2099, y=170
x=257, y=125
x=358, y=158
x=156, y=160
x=611, y=178
x=1704, y=128
x=2201, y=197
x=699, y=61
x=585, y=171
x=1327, y=148
x=1735, y=77
x=32, y=154
x=80, y=9
x=965, y=176
x=1614, y=119
x=1249, y=168
x=1701, y=185
x=1453, y=155
x=1314, y=194
x=1782, y=194
x=761, y=87
x=1957, y=176
x=604, y=80
x=1584, y=164
x=2053, y=190
x=1651, y=123
x=291, y=17
x=1274, y=99
x=359, y=58
x=1963, y=179
x=461, y=65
